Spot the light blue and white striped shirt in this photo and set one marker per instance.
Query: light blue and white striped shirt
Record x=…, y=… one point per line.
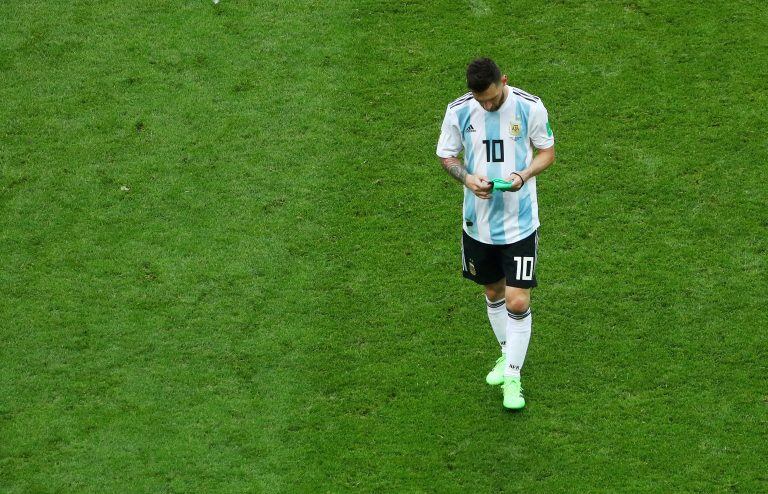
x=496, y=144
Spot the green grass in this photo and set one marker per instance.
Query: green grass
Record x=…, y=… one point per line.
x=252, y=316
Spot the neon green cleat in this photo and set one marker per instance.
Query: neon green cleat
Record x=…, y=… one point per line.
x=496, y=376
x=513, y=393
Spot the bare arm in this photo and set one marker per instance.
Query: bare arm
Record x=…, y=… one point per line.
x=454, y=168
x=479, y=185
x=539, y=163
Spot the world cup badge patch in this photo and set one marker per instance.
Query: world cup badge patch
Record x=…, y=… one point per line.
x=514, y=129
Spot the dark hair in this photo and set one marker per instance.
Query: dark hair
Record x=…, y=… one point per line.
x=481, y=73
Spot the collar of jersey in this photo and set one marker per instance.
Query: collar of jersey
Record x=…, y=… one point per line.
x=503, y=105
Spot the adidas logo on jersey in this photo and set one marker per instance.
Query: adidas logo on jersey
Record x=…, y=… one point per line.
x=469, y=129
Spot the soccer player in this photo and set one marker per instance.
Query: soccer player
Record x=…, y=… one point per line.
x=504, y=133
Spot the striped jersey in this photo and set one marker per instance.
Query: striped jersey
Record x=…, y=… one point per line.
x=496, y=144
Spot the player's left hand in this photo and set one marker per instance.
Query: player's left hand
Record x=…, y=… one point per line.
x=517, y=182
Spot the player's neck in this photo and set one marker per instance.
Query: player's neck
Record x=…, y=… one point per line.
x=505, y=90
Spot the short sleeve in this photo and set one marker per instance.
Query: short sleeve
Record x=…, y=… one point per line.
x=539, y=130
x=449, y=145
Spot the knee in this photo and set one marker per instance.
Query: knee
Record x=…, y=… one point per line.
x=494, y=295
x=494, y=292
x=518, y=303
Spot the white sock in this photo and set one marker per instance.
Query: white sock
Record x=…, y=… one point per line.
x=518, y=336
x=497, y=314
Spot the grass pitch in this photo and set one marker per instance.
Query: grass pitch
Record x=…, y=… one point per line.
x=231, y=263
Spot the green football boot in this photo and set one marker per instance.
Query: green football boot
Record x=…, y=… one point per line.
x=496, y=376
x=513, y=393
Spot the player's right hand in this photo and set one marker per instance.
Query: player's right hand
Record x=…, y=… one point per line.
x=479, y=185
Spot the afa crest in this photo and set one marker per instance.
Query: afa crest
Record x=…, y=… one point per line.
x=514, y=129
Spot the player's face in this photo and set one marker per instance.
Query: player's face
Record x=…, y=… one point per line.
x=492, y=98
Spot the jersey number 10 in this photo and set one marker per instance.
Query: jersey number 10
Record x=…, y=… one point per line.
x=494, y=150
x=524, y=268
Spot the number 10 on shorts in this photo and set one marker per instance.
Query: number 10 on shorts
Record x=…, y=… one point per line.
x=524, y=268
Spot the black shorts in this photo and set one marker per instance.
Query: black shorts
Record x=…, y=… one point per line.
x=485, y=263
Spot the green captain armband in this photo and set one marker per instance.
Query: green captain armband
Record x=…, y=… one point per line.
x=503, y=185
